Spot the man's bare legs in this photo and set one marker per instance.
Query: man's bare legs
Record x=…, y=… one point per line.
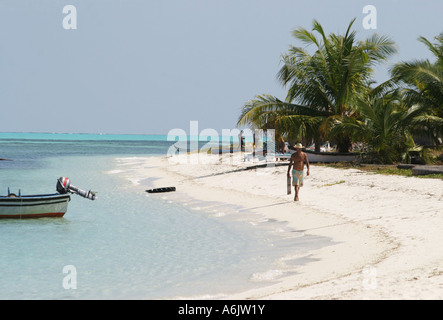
x=296, y=189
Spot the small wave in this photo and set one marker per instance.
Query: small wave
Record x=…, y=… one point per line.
x=219, y=214
x=135, y=182
x=269, y=275
x=113, y=171
x=202, y=297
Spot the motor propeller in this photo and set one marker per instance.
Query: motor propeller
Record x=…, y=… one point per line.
x=64, y=186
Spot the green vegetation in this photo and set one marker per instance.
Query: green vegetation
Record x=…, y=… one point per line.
x=331, y=97
x=333, y=184
x=379, y=169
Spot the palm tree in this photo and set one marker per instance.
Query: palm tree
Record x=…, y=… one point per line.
x=296, y=122
x=424, y=87
x=384, y=124
x=322, y=87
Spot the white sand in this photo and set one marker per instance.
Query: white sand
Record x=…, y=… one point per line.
x=386, y=230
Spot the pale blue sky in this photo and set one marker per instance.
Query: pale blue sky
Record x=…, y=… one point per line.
x=149, y=66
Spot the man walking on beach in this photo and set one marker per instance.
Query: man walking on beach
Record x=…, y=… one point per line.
x=298, y=160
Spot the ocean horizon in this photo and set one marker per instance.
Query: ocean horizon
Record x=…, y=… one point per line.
x=80, y=136
x=178, y=138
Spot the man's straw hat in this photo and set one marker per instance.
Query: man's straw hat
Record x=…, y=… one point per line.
x=298, y=146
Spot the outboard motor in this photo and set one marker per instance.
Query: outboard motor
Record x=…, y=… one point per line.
x=64, y=186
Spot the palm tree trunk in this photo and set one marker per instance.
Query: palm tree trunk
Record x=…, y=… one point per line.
x=344, y=144
x=317, y=142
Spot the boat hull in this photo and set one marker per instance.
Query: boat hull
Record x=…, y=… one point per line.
x=36, y=206
x=330, y=157
x=323, y=157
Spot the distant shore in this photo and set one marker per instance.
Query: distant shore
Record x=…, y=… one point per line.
x=385, y=230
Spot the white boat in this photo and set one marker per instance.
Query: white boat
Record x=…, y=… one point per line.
x=329, y=157
x=325, y=157
x=43, y=205
x=34, y=206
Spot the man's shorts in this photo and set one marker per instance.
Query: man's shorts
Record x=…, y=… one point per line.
x=297, y=178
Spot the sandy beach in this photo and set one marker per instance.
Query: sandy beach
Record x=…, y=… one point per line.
x=385, y=230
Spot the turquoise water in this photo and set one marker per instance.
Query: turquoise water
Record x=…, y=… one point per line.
x=125, y=245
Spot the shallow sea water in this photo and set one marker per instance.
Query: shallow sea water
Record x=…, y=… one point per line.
x=126, y=244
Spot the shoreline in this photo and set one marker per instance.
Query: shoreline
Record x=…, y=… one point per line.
x=323, y=266
x=385, y=229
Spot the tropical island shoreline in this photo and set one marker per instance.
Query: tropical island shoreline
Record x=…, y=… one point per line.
x=385, y=229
